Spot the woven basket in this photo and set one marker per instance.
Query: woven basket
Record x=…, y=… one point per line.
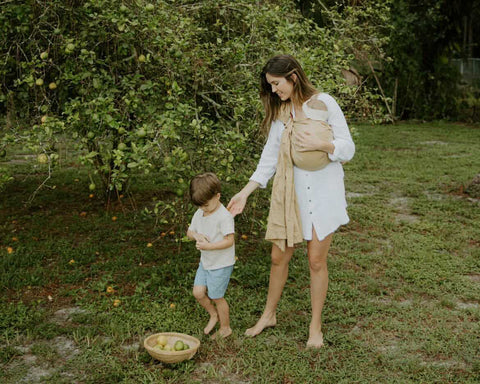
x=171, y=356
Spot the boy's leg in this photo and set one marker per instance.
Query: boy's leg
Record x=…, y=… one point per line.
x=224, y=316
x=200, y=293
x=217, y=283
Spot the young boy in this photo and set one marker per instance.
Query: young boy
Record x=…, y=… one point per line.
x=212, y=228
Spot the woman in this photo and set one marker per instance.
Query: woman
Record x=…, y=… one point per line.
x=305, y=205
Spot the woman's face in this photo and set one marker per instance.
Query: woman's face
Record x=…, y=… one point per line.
x=281, y=86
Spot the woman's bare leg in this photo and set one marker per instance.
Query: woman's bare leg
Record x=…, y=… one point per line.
x=317, y=258
x=278, y=277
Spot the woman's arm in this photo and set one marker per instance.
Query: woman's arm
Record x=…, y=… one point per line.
x=238, y=202
x=344, y=147
x=265, y=169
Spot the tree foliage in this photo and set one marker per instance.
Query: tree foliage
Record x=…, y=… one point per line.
x=170, y=86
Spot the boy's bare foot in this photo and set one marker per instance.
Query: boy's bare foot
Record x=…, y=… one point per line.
x=262, y=323
x=315, y=340
x=211, y=323
x=222, y=333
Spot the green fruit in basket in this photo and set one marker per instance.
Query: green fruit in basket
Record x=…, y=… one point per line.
x=185, y=347
x=158, y=346
x=162, y=340
x=168, y=347
x=178, y=345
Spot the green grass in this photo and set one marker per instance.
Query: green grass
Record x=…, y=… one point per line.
x=403, y=302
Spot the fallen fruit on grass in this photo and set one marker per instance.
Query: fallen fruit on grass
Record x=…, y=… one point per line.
x=9, y=250
x=116, y=302
x=44, y=55
x=114, y=218
x=110, y=289
x=149, y=245
x=52, y=85
x=39, y=82
x=92, y=186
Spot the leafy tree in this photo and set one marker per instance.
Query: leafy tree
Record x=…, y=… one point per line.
x=164, y=86
x=425, y=36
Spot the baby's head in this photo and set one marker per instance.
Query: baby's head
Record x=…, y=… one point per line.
x=205, y=190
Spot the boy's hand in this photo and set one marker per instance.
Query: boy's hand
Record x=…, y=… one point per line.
x=203, y=244
x=200, y=237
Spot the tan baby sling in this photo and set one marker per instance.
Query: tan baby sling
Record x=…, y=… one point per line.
x=284, y=227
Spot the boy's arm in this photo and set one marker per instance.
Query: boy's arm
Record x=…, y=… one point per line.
x=227, y=242
x=192, y=235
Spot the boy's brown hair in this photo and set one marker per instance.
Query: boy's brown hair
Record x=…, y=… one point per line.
x=203, y=187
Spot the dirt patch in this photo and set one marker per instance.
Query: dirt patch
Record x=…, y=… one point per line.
x=402, y=205
x=66, y=348
x=434, y=142
x=474, y=277
x=65, y=314
x=463, y=305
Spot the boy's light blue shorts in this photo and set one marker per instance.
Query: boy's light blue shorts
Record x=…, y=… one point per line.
x=216, y=280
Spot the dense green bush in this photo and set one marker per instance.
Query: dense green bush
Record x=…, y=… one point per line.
x=165, y=86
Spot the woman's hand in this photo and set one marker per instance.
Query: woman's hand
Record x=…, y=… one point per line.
x=237, y=204
x=307, y=141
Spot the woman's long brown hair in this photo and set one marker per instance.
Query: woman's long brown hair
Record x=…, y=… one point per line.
x=282, y=66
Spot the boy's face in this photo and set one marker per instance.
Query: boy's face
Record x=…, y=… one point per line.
x=211, y=205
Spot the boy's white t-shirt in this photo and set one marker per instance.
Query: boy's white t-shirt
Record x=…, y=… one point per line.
x=216, y=226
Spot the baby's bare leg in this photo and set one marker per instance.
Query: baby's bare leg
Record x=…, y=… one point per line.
x=224, y=316
x=200, y=293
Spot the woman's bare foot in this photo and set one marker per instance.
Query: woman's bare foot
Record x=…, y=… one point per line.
x=211, y=323
x=262, y=323
x=315, y=340
x=222, y=333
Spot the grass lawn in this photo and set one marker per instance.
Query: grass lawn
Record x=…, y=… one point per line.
x=403, y=304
